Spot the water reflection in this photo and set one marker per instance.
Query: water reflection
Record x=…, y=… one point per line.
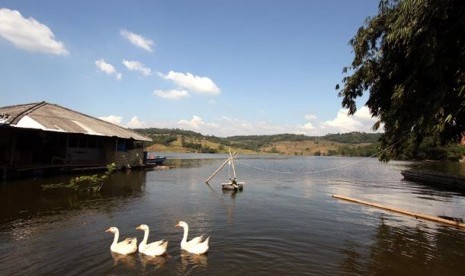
x=128, y=183
x=23, y=230
x=232, y=193
x=138, y=262
x=229, y=207
x=188, y=163
x=192, y=263
x=402, y=250
x=157, y=262
x=281, y=224
x=125, y=261
x=26, y=199
x=194, y=259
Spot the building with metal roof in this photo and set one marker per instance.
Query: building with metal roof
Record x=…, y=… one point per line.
x=45, y=135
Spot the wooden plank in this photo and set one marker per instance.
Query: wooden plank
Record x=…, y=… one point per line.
x=404, y=212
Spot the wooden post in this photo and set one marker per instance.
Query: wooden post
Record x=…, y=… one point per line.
x=416, y=215
x=225, y=162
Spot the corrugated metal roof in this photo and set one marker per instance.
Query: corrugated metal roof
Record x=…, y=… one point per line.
x=52, y=117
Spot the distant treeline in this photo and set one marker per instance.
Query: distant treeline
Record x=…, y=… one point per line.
x=354, y=137
x=166, y=136
x=346, y=144
x=256, y=143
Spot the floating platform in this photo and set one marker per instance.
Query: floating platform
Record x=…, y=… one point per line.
x=231, y=186
x=437, y=179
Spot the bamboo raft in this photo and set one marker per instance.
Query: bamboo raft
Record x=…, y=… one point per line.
x=404, y=212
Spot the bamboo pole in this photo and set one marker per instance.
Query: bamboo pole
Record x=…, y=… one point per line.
x=232, y=165
x=400, y=211
x=231, y=162
x=225, y=162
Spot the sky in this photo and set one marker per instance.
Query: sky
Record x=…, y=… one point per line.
x=218, y=67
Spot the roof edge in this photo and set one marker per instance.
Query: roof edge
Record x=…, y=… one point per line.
x=37, y=105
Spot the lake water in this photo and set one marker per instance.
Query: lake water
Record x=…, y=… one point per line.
x=284, y=222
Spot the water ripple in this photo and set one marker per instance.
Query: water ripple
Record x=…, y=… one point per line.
x=279, y=225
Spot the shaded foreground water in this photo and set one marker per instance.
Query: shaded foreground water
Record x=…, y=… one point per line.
x=285, y=222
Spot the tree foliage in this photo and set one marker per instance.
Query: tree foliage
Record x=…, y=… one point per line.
x=410, y=57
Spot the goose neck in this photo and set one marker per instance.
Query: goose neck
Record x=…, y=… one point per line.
x=146, y=236
x=186, y=231
x=116, y=237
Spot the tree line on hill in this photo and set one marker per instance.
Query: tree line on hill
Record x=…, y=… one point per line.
x=346, y=144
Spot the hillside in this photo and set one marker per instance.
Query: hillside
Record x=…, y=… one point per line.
x=177, y=140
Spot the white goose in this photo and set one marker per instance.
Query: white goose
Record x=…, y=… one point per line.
x=195, y=246
x=152, y=249
x=128, y=246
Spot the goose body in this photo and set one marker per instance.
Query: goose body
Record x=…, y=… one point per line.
x=125, y=247
x=152, y=249
x=196, y=245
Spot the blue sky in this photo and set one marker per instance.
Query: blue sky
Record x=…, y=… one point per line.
x=217, y=67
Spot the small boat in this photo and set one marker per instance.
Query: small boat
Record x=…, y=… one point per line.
x=154, y=160
x=233, y=184
x=436, y=179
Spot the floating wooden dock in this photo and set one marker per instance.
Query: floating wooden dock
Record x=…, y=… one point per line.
x=234, y=187
x=233, y=184
x=404, y=212
x=438, y=179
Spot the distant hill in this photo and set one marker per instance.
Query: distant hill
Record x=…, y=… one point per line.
x=346, y=144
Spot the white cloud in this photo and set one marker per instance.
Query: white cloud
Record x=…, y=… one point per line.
x=344, y=122
x=308, y=126
x=171, y=94
x=201, y=85
x=234, y=126
x=136, y=123
x=197, y=124
x=361, y=121
x=138, y=40
x=137, y=66
x=107, y=68
x=363, y=114
x=29, y=34
x=227, y=126
x=118, y=120
x=310, y=117
x=112, y=119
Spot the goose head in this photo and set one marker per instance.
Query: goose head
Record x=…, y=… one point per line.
x=181, y=224
x=112, y=230
x=142, y=227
